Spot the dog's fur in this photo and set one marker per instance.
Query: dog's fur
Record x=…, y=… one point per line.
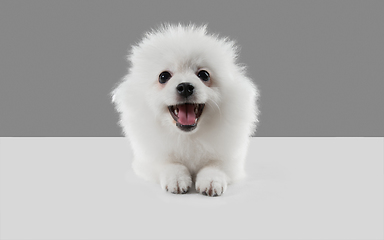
x=211, y=155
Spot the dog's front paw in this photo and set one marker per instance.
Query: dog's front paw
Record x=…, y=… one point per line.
x=180, y=184
x=211, y=182
x=176, y=179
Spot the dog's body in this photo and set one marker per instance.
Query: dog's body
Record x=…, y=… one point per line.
x=188, y=109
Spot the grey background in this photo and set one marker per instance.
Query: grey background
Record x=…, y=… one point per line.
x=319, y=64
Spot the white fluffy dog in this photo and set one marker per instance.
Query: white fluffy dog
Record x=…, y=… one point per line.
x=188, y=110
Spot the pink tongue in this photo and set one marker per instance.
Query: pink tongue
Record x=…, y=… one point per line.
x=186, y=114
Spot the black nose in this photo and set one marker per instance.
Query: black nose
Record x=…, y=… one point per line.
x=185, y=89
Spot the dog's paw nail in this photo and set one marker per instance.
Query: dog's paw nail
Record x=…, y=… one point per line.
x=185, y=190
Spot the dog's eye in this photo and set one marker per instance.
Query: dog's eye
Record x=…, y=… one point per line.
x=203, y=75
x=164, y=77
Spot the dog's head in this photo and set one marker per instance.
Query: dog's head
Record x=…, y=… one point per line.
x=183, y=73
x=187, y=96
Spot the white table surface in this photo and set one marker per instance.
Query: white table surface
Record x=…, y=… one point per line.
x=297, y=188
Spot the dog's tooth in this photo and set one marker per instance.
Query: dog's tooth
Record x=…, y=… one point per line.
x=176, y=111
x=196, y=109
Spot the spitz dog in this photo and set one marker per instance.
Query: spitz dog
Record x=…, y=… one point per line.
x=188, y=109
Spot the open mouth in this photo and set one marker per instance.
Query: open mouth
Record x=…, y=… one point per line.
x=186, y=115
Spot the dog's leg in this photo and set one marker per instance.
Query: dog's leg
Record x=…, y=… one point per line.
x=175, y=178
x=211, y=181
